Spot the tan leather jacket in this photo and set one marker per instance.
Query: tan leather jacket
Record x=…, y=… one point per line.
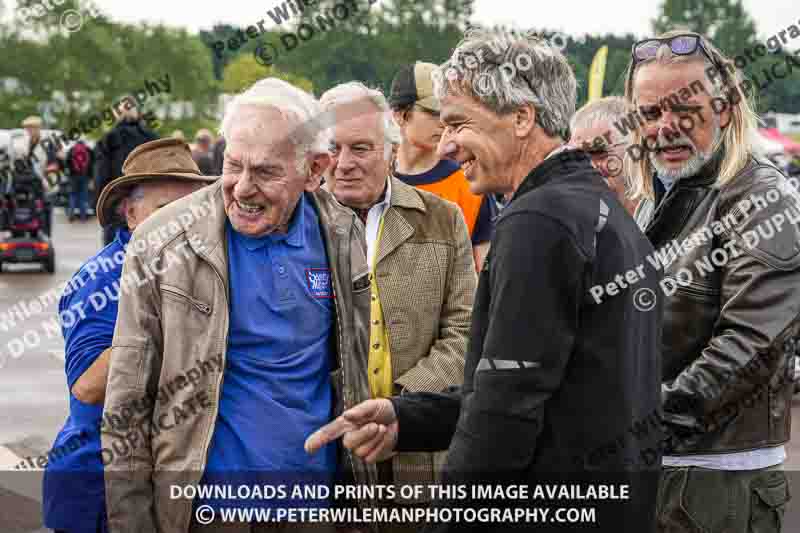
x=169, y=348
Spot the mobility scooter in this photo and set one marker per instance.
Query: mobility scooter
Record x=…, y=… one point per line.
x=27, y=216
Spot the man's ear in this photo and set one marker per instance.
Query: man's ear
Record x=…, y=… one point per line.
x=524, y=120
x=128, y=212
x=316, y=166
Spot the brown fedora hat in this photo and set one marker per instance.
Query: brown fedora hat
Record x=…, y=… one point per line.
x=162, y=159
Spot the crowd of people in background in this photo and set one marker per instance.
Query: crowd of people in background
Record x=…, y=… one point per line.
x=74, y=175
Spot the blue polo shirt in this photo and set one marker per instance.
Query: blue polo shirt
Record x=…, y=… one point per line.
x=276, y=388
x=73, y=494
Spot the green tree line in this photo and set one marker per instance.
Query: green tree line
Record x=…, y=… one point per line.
x=84, y=71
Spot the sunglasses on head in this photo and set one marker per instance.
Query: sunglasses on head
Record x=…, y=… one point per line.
x=681, y=45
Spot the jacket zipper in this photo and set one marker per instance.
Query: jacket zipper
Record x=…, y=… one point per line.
x=698, y=290
x=340, y=354
x=200, y=306
x=659, y=209
x=207, y=444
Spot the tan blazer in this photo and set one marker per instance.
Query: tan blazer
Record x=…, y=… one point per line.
x=426, y=280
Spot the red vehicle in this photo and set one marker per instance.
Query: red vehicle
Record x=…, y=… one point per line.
x=26, y=216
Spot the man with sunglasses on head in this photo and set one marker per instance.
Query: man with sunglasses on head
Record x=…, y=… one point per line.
x=732, y=289
x=416, y=110
x=593, y=132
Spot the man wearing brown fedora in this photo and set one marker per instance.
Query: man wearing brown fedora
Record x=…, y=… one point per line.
x=154, y=174
x=222, y=364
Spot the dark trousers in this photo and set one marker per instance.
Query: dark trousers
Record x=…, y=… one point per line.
x=698, y=500
x=79, y=196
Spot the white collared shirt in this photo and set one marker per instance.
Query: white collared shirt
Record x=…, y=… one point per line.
x=374, y=216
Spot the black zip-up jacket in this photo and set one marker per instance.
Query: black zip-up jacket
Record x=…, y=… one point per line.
x=731, y=261
x=558, y=387
x=112, y=150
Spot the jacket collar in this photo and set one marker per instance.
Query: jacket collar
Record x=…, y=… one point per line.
x=551, y=168
x=705, y=177
x=672, y=208
x=396, y=228
x=405, y=196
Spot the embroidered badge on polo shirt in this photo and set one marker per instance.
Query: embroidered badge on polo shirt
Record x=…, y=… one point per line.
x=319, y=282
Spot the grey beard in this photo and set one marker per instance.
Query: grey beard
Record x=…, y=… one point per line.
x=692, y=166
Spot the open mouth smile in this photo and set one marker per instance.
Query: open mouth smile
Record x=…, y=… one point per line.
x=251, y=209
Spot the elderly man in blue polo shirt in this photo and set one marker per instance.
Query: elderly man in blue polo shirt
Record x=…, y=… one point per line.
x=154, y=175
x=276, y=290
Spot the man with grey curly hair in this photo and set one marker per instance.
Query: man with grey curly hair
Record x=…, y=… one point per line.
x=563, y=359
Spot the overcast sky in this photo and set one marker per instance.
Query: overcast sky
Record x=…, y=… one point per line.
x=576, y=17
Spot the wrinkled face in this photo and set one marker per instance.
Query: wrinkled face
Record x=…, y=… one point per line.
x=606, y=157
x=156, y=195
x=679, y=152
x=481, y=141
x=360, y=166
x=260, y=181
x=422, y=128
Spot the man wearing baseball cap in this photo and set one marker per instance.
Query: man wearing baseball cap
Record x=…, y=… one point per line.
x=154, y=174
x=416, y=111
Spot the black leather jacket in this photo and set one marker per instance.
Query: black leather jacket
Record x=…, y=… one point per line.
x=732, y=300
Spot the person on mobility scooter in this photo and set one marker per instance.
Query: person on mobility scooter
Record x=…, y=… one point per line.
x=27, y=219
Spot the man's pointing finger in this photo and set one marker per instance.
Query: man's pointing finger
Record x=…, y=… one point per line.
x=327, y=434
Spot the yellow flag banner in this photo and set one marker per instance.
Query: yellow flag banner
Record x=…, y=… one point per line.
x=597, y=74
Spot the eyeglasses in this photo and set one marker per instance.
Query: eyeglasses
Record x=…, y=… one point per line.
x=681, y=45
x=598, y=151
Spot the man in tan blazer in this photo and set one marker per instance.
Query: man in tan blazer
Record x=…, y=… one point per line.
x=422, y=276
